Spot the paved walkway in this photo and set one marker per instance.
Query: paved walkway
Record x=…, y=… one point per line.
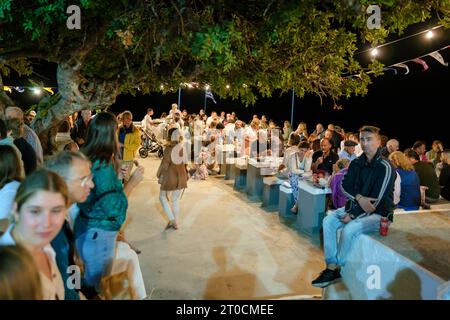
x=226, y=247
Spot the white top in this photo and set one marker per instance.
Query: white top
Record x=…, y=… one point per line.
x=208, y=121
x=146, y=122
x=7, y=195
x=52, y=289
x=249, y=132
x=34, y=141
x=73, y=213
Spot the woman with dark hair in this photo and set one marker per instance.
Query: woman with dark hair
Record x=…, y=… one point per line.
x=172, y=175
x=11, y=174
x=40, y=208
x=103, y=213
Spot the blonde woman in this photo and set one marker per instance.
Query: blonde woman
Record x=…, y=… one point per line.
x=40, y=208
x=409, y=185
x=172, y=175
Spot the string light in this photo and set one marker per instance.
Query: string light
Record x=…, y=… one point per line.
x=161, y=86
x=207, y=87
x=428, y=34
x=37, y=91
x=374, y=52
x=227, y=86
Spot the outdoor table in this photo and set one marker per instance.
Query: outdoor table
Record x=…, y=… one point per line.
x=311, y=209
x=256, y=171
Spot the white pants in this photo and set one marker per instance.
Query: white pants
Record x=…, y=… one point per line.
x=172, y=211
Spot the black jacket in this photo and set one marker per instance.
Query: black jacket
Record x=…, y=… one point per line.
x=79, y=130
x=379, y=175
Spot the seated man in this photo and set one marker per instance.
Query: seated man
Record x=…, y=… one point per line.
x=324, y=158
x=368, y=185
x=349, y=150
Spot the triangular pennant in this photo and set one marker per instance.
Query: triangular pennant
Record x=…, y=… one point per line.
x=7, y=88
x=423, y=63
x=402, y=65
x=48, y=89
x=19, y=89
x=393, y=69
x=439, y=58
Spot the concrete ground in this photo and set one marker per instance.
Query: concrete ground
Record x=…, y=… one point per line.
x=225, y=248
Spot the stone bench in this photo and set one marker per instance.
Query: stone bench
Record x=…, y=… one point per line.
x=271, y=195
x=412, y=262
x=240, y=176
x=285, y=202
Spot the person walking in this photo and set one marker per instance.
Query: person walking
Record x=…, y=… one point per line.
x=172, y=176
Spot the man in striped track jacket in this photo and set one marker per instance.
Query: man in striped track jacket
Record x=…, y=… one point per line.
x=369, y=185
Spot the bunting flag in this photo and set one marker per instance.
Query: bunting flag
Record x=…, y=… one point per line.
x=48, y=89
x=423, y=63
x=392, y=69
x=439, y=58
x=209, y=95
x=402, y=65
x=7, y=88
x=19, y=89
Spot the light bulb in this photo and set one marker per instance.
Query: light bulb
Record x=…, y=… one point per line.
x=429, y=34
x=374, y=52
x=37, y=91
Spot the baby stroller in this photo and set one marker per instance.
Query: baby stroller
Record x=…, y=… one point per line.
x=150, y=144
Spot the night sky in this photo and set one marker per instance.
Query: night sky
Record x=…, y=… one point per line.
x=407, y=107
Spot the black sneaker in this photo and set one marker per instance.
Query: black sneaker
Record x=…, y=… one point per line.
x=326, y=278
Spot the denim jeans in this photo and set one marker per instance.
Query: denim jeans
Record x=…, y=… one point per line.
x=335, y=253
x=97, y=249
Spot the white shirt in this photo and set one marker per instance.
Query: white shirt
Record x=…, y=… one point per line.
x=7, y=195
x=146, y=122
x=34, y=141
x=52, y=289
x=73, y=213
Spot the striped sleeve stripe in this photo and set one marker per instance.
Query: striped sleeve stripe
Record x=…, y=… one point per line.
x=386, y=179
x=348, y=195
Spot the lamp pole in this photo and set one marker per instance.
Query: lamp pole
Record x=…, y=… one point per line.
x=292, y=107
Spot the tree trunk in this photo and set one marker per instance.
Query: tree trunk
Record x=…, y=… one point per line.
x=74, y=95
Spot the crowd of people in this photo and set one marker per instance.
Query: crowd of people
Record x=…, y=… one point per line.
x=63, y=217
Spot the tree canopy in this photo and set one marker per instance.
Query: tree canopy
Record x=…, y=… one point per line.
x=254, y=46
